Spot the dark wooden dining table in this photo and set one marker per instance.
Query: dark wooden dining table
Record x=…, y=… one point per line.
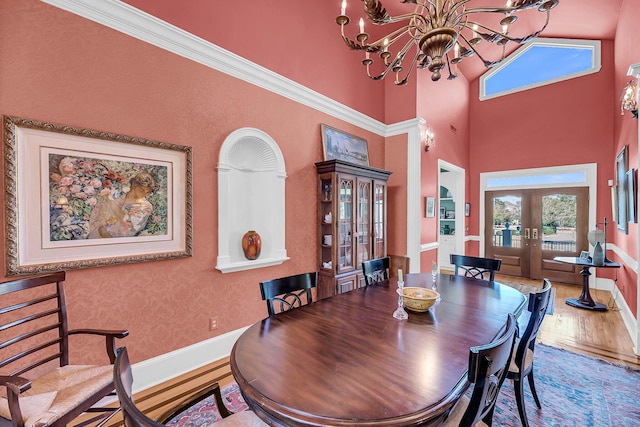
x=346, y=361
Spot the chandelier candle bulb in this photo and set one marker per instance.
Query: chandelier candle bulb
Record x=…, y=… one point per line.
x=361, y=26
x=343, y=9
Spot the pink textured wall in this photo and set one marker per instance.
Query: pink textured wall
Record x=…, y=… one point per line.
x=626, y=133
x=286, y=38
x=64, y=69
x=445, y=107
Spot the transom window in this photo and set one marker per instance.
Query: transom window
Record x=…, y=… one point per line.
x=541, y=62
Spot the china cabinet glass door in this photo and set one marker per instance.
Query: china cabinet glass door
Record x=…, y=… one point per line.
x=363, y=222
x=345, y=224
x=379, y=201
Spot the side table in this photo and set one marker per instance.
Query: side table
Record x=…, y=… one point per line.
x=585, y=300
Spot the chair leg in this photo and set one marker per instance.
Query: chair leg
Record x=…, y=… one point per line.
x=517, y=385
x=533, y=389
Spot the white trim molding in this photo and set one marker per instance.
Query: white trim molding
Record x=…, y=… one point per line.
x=160, y=369
x=128, y=20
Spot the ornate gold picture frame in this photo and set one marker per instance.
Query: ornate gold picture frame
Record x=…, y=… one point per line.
x=79, y=198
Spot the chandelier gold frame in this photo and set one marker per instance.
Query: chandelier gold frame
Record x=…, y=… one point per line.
x=436, y=30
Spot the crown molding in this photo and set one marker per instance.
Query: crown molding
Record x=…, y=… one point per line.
x=128, y=20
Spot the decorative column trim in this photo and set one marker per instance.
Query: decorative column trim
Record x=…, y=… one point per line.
x=414, y=158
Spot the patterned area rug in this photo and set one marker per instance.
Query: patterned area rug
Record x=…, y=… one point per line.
x=575, y=390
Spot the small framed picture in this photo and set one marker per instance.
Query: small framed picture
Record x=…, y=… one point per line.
x=584, y=255
x=442, y=213
x=467, y=209
x=450, y=214
x=430, y=208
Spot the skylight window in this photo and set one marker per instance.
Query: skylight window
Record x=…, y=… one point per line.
x=541, y=62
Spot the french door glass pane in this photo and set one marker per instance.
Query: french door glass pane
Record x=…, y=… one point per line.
x=559, y=222
x=507, y=221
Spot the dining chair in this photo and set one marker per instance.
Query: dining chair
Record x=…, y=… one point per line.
x=38, y=385
x=375, y=271
x=488, y=366
x=134, y=417
x=522, y=362
x=285, y=293
x=475, y=267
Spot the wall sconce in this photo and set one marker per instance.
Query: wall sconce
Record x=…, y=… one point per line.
x=428, y=138
x=629, y=99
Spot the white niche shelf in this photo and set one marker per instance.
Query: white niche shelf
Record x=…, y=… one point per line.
x=251, y=174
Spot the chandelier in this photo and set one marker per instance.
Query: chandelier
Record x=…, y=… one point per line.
x=438, y=33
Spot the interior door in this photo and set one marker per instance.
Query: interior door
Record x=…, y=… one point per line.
x=528, y=228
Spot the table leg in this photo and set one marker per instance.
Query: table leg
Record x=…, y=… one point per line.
x=585, y=300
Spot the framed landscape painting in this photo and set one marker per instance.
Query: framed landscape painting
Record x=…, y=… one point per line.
x=78, y=198
x=340, y=145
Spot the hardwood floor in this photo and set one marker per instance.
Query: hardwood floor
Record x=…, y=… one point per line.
x=599, y=334
x=594, y=333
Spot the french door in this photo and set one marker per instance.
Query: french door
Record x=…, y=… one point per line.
x=526, y=229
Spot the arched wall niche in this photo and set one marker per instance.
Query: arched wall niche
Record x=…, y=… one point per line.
x=251, y=175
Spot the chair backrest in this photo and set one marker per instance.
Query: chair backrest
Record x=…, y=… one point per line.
x=289, y=292
x=476, y=267
x=123, y=381
x=488, y=368
x=375, y=271
x=33, y=319
x=537, y=306
x=35, y=355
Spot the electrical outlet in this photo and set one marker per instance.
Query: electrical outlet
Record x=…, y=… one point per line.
x=213, y=323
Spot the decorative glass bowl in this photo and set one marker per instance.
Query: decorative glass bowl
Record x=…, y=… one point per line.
x=418, y=299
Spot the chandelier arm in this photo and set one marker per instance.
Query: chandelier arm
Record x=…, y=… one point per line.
x=352, y=44
x=406, y=77
x=486, y=62
x=525, y=5
x=518, y=40
x=396, y=62
x=452, y=75
x=403, y=17
x=392, y=37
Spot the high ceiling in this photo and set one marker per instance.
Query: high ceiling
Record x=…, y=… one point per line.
x=572, y=19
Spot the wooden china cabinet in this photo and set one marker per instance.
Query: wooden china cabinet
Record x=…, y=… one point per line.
x=352, y=223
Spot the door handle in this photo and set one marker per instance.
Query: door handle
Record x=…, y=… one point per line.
x=535, y=234
x=527, y=233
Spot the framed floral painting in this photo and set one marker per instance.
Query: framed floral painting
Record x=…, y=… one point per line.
x=79, y=198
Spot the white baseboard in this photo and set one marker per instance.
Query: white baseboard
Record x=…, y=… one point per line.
x=157, y=370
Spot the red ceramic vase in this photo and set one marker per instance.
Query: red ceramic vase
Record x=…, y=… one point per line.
x=251, y=245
